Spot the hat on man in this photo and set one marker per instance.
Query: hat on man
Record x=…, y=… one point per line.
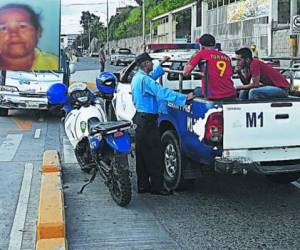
x=207, y=40
x=142, y=58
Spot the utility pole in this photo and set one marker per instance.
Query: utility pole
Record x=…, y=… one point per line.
x=89, y=34
x=107, y=28
x=81, y=43
x=144, y=17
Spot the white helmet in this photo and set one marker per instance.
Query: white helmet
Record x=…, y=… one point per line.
x=79, y=92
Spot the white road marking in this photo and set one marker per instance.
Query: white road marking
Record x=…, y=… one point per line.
x=69, y=155
x=16, y=234
x=9, y=147
x=296, y=184
x=37, y=133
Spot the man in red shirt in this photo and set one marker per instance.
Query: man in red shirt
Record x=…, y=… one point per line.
x=219, y=70
x=260, y=80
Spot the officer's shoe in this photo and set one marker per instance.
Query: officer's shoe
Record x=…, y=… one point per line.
x=162, y=192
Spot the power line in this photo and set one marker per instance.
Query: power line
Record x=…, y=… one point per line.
x=78, y=4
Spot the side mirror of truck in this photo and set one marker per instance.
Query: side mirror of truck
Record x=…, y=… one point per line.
x=72, y=68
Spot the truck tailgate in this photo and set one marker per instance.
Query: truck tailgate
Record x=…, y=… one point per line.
x=261, y=125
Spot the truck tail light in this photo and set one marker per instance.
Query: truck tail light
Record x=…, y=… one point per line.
x=214, y=129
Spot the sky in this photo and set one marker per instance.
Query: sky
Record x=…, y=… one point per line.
x=71, y=12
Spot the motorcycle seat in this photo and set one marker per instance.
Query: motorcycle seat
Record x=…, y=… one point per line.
x=108, y=127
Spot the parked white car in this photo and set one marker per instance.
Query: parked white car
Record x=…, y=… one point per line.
x=122, y=56
x=27, y=89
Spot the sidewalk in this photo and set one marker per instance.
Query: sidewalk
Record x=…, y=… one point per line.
x=94, y=221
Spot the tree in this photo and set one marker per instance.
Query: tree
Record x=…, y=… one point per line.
x=139, y=2
x=92, y=27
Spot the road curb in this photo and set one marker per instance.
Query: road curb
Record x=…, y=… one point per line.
x=51, y=162
x=51, y=216
x=51, y=244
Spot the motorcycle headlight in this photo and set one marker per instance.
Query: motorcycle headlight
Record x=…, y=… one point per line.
x=8, y=88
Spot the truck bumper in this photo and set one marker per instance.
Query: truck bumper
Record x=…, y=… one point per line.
x=15, y=101
x=230, y=166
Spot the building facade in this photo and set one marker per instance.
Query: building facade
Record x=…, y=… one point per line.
x=234, y=23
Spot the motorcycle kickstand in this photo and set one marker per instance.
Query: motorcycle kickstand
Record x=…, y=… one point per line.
x=89, y=181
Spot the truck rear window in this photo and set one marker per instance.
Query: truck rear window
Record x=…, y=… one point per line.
x=124, y=51
x=179, y=66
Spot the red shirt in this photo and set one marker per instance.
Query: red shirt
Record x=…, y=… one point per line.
x=220, y=84
x=267, y=74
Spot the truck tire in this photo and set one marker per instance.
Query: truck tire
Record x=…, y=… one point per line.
x=3, y=112
x=284, y=178
x=173, y=162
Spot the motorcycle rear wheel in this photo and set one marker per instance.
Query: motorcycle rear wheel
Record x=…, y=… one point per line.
x=120, y=188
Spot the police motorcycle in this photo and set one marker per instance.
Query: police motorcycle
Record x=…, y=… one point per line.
x=99, y=145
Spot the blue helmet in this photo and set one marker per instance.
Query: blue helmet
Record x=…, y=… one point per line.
x=106, y=82
x=58, y=94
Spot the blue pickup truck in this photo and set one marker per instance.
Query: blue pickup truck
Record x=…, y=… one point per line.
x=229, y=137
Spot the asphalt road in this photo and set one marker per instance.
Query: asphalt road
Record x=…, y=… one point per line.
x=24, y=135
x=87, y=68
x=219, y=212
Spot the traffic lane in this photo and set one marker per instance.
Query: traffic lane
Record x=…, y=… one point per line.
x=11, y=175
x=231, y=212
x=89, y=75
x=21, y=146
x=92, y=63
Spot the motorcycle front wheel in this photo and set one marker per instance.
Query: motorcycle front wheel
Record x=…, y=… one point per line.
x=120, y=188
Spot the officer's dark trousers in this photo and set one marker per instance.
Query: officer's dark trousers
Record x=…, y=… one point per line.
x=148, y=149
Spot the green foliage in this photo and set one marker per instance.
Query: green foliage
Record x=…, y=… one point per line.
x=92, y=27
x=129, y=22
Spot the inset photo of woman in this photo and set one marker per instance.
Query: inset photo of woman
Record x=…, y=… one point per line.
x=29, y=35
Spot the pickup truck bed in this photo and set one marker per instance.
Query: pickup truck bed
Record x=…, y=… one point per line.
x=233, y=137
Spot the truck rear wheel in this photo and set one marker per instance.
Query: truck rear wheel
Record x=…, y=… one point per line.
x=284, y=178
x=3, y=112
x=173, y=162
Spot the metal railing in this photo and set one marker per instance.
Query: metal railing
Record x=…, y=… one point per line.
x=292, y=60
x=291, y=69
x=193, y=73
